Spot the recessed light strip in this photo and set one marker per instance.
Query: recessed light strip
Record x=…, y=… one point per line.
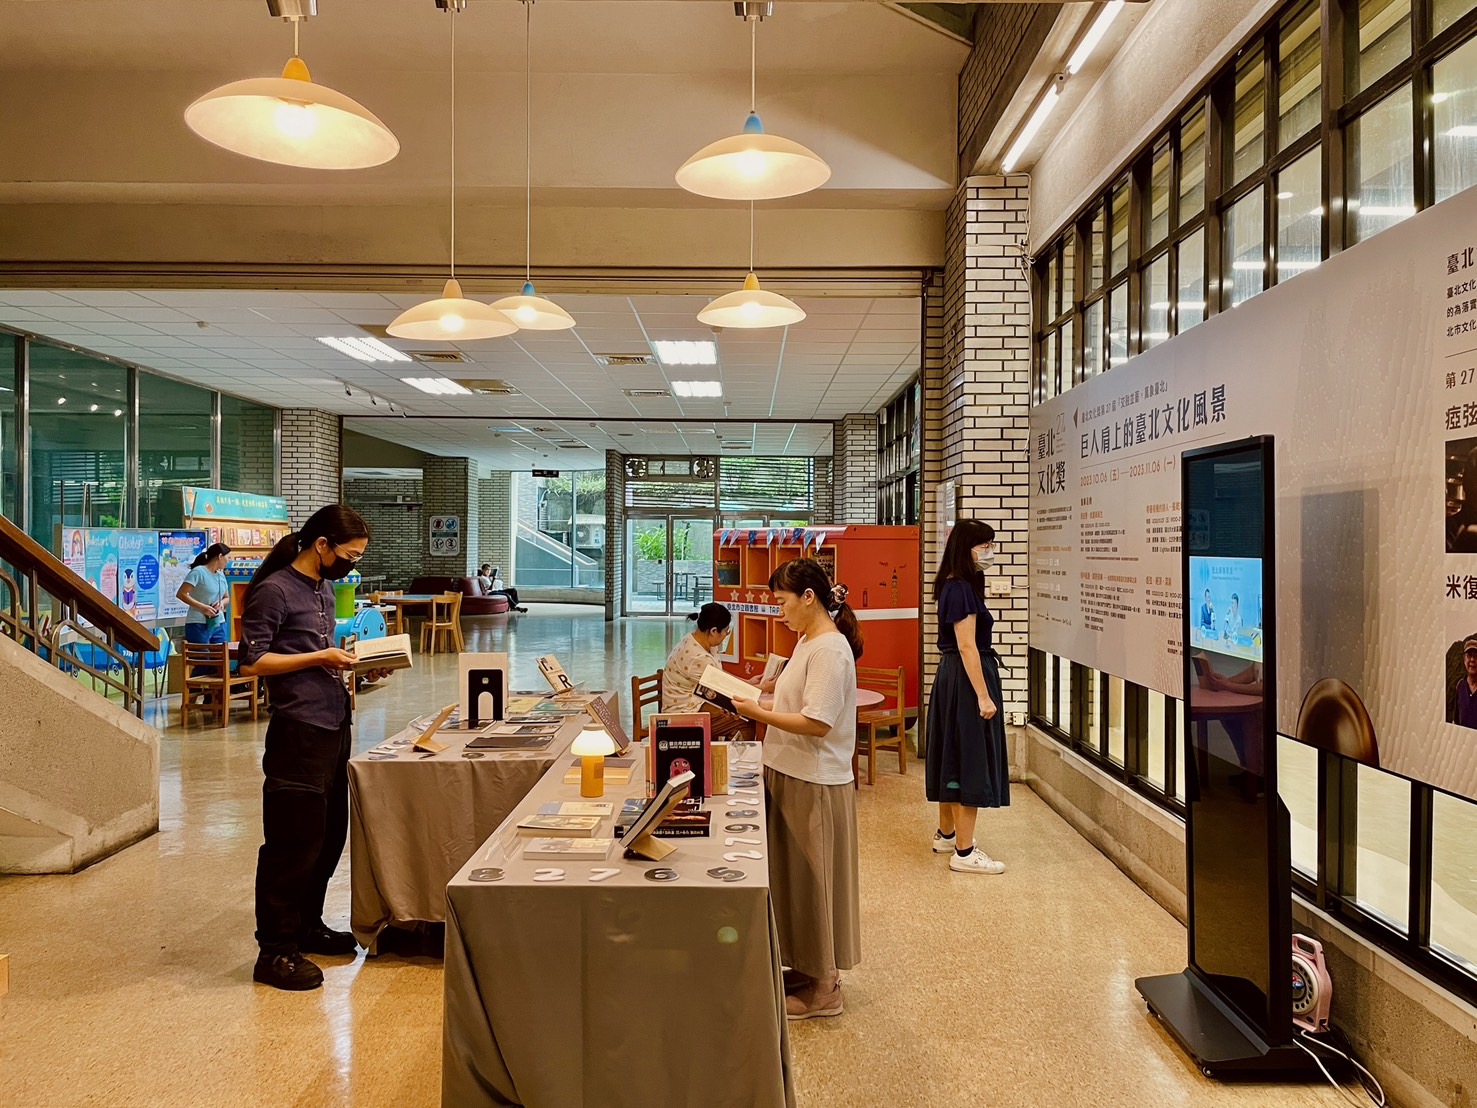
x=686, y=353
x=365, y=349
x=698, y=388
x=436, y=386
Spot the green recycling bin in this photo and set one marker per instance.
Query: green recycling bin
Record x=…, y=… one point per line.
x=343, y=595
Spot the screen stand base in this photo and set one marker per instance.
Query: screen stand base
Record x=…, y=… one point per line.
x=1215, y=1039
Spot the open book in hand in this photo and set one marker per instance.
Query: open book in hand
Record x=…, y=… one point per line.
x=772, y=668
x=390, y=652
x=722, y=688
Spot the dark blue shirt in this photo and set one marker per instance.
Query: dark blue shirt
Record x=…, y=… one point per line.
x=1466, y=704
x=959, y=601
x=289, y=613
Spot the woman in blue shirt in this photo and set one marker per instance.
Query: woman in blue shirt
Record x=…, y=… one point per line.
x=206, y=592
x=967, y=764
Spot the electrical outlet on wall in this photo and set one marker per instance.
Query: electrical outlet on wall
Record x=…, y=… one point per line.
x=999, y=586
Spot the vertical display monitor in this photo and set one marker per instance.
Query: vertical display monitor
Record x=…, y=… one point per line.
x=1236, y=828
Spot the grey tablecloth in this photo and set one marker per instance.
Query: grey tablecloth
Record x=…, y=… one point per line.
x=414, y=820
x=580, y=994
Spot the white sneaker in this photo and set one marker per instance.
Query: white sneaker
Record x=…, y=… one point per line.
x=977, y=861
x=942, y=845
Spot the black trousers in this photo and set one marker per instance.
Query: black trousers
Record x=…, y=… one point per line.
x=305, y=821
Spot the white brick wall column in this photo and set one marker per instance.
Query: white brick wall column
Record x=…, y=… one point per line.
x=392, y=508
x=312, y=474
x=450, y=487
x=615, y=535
x=976, y=400
x=495, y=522
x=854, y=464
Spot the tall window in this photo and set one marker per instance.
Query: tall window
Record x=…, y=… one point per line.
x=899, y=442
x=9, y=417
x=174, y=445
x=248, y=446
x=559, y=530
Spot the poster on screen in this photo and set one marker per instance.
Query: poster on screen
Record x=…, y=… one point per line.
x=1364, y=369
x=177, y=549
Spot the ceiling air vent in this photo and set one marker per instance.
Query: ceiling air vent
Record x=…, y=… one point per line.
x=638, y=394
x=489, y=388
x=437, y=357
x=621, y=360
x=738, y=446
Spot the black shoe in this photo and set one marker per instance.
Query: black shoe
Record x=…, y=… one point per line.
x=292, y=972
x=324, y=940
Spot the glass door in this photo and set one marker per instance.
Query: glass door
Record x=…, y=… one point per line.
x=669, y=564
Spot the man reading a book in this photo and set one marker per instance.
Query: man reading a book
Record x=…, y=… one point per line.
x=684, y=669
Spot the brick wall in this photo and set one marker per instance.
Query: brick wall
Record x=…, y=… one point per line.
x=249, y=450
x=495, y=521
x=395, y=551
x=615, y=534
x=854, y=453
x=311, y=475
x=1006, y=39
x=976, y=399
x=825, y=491
x=450, y=487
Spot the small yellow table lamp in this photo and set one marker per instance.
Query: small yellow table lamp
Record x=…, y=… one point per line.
x=591, y=747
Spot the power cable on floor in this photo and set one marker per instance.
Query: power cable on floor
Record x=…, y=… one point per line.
x=1376, y=1095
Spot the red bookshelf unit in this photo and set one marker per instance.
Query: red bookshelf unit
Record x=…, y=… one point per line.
x=878, y=564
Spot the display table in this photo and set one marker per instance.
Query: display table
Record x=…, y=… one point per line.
x=406, y=605
x=623, y=991
x=414, y=819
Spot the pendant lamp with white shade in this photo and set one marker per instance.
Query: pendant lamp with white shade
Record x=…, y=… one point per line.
x=753, y=165
x=289, y=120
x=751, y=307
x=451, y=317
x=528, y=309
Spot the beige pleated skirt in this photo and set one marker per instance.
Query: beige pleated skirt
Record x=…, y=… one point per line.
x=813, y=873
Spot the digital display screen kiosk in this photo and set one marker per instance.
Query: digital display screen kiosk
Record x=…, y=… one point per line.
x=1231, y=1009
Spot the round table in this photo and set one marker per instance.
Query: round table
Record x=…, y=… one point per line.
x=865, y=698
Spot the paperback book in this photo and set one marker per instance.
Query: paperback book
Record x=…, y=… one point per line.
x=576, y=808
x=718, y=686
x=391, y=652
x=570, y=827
x=592, y=850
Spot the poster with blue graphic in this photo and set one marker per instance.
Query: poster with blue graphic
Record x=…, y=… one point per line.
x=101, y=561
x=138, y=574
x=177, y=549
x=1226, y=597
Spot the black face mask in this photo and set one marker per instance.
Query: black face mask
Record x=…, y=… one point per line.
x=337, y=569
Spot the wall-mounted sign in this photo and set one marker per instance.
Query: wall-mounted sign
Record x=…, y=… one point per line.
x=546, y=473
x=446, y=536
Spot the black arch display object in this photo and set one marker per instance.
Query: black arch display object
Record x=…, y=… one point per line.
x=1231, y=1008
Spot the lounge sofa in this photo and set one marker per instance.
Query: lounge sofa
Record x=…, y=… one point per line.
x=473, y=602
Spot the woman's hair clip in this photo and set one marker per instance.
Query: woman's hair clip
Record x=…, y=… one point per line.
x=839, y=593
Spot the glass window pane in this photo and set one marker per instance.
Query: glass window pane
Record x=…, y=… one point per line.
x=1048, y=366
x=589, y=530
x=1119, y=230
x=173, y=445
x=1092, y=339
x=1446, y=12
x=1381, y=167
x=1192, y=281
x=1156, y=319
x=1069, y=357
x=561, y=533
x=1454, y=879
x=1159, y=196
x=79, y=428
x=1053, y=289
x=9, y=449
x=1299, y=216
x=1244, y=244
x=1048, y=694
x=1089, y=732
x=1297, y=785
x=1247, y=148
x=1154, y=771
x=1118, y=326
x=1382, y=867
x=1069, y=271
x=1115, y=718
x=1064, y=694
x=1454, y=96
x=1192, y=165
x=1299, y=75
x=1180, y=751
x=248, y=446
x=1097, y=245
x=1384, y=40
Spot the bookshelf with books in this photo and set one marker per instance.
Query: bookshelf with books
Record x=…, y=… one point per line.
x=880, y=566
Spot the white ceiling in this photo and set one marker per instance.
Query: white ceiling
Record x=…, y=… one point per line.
x=851, y=354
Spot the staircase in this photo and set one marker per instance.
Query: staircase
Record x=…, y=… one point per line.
x=79, y=775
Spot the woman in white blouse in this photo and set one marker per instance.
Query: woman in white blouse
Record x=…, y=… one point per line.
x=684, y=669
x=811, y=804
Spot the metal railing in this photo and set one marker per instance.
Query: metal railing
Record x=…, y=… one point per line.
x=54, y=613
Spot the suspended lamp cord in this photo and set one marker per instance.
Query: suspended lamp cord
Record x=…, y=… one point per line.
x=751, y=236
x=296, y=23
x=753, y=43
x=452, y=10
x=528, y=140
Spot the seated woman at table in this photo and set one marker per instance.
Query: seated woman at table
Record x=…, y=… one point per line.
x=490, y=581
x=811, y=810
x=684, y=669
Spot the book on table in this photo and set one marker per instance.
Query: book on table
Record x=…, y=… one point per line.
x=681, y=743
x=567, y=827
x=617, y=771
x=552, y=849
x=718, y=686
x=390, y=652
x=686, y=821
x=576, y=808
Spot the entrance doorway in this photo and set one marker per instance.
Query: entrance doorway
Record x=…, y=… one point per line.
x=669, y=564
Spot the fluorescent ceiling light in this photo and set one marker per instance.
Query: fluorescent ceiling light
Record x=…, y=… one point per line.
x=1028, y=132
x=697, y=388
x=1247, y=267
x=365, y=349
x=1094, y=35
x=1285, y=195
x=1378, y=211
x=1466, y=130
x=686, y=353
x=1297, y=267
x=436, y=386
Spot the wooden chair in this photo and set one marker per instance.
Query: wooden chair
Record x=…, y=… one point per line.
x=207, y=672
x=646, y=692
x=444, y=624
x=395, y=617
x=890, y=683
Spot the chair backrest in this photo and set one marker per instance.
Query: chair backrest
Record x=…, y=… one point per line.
x=646, y=692
x=216, y=656
x=448, y=608
x=889, y=682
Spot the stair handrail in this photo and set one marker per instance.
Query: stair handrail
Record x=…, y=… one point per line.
x=84, y=613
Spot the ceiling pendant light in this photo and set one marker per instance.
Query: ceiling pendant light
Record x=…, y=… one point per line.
x=751, y=307
x=289, y=120
x=528, y=309
x=451, y=317
x=753, y=165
